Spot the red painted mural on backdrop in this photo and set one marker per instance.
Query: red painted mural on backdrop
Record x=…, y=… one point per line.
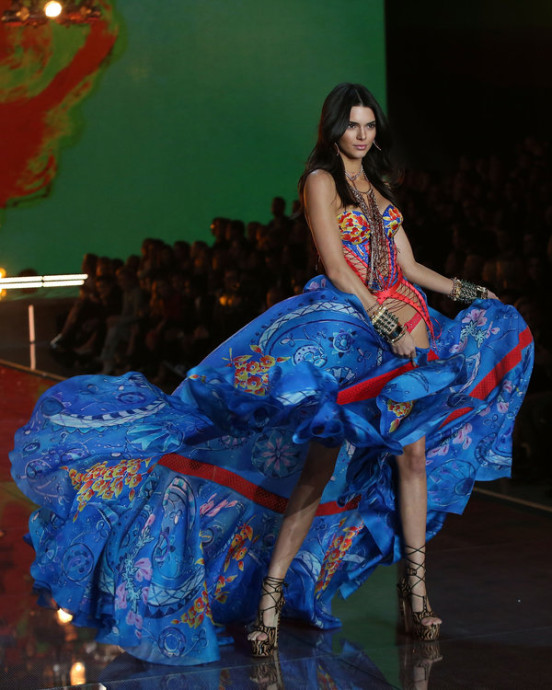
x=44, y=72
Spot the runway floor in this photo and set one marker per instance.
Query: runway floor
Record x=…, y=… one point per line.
x=489, y=578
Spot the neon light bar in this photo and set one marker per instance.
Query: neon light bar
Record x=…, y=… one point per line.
x=26, y=282
x=32, y=336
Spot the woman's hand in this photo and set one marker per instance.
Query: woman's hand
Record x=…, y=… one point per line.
x=405, y=346
x=491, y=295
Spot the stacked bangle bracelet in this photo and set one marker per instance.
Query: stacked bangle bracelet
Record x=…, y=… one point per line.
x=387, y=325
x=464, y=291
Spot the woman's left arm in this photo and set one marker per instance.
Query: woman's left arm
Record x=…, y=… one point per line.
x=417, y=273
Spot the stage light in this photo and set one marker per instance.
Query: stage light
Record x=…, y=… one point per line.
x=27, y=282
x=39, y=12
x=53, y=9
x=63, y=616
x=77, y=674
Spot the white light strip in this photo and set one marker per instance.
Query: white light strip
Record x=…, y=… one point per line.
x=26, y=282
x=32, y=337
x=20, y=286
x=63, y=283
x=22, y=279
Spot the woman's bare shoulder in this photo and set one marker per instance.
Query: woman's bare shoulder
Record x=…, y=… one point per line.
x=320, y=180
x=320, y=188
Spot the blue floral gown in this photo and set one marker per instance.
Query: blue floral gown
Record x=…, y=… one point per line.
x=158, y=513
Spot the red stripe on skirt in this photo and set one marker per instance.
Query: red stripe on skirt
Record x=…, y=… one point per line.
x=231, y=480
x=372, y=387
x=495, y=376
x=506, y=364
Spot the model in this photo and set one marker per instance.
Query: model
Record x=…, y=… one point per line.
x=332, y=434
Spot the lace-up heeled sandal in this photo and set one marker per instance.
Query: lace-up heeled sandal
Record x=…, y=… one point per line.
x=273, y=587
x=413, y=620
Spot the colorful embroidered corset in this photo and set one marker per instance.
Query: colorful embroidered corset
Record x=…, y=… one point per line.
x=396, y=291
x=355, y=235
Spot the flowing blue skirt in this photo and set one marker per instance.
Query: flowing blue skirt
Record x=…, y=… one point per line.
x=158, y=513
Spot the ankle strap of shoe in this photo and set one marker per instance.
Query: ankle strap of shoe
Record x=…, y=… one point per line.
x=412, y=566
x=276, y=583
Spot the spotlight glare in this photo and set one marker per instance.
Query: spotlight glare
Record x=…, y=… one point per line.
x=64, y=616
x=53, y=9
x=77, y=674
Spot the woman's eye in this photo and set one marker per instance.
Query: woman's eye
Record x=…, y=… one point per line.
x=351, y=125
x=372, y=125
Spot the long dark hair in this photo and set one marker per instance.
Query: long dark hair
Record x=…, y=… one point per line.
x=333, y=123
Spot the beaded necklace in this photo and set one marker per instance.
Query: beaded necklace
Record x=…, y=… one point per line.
x=376, y=272
x=354, y=176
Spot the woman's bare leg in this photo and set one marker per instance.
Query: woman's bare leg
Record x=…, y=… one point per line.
x=300, y=512
x=413, y=509
x=413, y=494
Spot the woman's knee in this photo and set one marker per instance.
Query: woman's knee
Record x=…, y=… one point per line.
x=413, y=460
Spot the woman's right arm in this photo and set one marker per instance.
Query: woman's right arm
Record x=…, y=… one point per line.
x=322, y=204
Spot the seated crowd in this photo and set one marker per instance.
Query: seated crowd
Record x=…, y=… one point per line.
x=163, y=311
x=489, y=221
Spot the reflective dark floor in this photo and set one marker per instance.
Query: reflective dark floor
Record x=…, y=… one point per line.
x=489, y=577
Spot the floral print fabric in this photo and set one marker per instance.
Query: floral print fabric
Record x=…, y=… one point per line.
x=158, y=513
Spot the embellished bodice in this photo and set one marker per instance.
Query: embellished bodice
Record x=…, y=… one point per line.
x=355, y=236
x=393, y=289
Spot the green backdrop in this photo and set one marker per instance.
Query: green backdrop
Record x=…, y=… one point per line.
x=208, y=108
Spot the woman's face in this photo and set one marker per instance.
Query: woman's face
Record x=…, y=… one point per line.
x=359, y=136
